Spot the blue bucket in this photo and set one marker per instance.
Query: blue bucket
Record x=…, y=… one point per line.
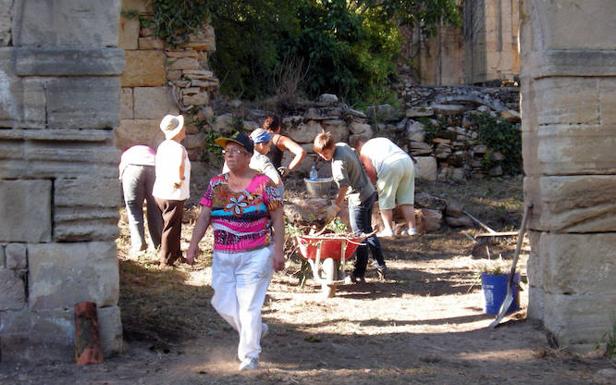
x=495, y=290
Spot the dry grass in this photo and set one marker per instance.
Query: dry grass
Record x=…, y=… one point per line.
x=171, y=305
x=423, y=324
x=498, y=202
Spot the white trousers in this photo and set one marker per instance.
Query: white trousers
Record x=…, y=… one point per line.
x=240, y=281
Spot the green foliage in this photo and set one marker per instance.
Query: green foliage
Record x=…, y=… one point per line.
x=348, y=53
x=610, y=339
x=211, y=149
x=347, y=47
x=248, y=37
x=175, y=20
x=337, y=226
x=501, y=136
x=291, y=230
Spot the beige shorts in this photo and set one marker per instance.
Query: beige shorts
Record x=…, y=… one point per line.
x=396, y=184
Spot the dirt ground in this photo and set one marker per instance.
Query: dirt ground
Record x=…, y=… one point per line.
x=422, y=324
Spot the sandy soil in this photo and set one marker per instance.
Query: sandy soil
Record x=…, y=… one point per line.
x=423, y=324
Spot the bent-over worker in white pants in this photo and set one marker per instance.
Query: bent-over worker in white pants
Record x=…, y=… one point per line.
x=244, y=208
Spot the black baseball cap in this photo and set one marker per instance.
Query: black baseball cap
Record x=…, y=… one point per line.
x=240, y=138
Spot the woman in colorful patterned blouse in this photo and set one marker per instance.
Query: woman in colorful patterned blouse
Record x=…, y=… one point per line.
x=244, y=208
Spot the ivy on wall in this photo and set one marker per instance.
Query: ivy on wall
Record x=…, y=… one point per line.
x=501, y=136
x=175, y=20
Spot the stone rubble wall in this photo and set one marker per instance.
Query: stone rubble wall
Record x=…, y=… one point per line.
x=60, y=69
x=438, y=129
x=451, y=153
x=451, y=150
x=568, y=124
x=159, y=79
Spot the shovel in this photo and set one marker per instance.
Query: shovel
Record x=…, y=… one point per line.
x=509, y=297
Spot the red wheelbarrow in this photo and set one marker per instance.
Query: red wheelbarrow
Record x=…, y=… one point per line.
x=326, y=255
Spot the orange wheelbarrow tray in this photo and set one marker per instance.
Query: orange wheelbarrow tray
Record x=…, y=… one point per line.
x=328, y=246
x=326, y=255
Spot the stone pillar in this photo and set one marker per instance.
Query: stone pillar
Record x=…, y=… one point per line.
x=569, y=141
x=60, y=69
x=491, y=40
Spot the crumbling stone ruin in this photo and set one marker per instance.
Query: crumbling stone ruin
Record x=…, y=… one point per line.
x=61, y=64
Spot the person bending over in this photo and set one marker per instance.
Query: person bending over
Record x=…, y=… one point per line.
x=280, y=144
x=393, y=171
x=353, y=183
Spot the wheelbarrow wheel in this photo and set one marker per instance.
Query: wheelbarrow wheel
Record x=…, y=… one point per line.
x=329, y=275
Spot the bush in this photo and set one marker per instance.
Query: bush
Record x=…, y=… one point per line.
x=501, y=136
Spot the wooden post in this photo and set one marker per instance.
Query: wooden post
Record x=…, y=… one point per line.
x=87, y=341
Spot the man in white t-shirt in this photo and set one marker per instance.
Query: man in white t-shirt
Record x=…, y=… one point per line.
x=393, y=171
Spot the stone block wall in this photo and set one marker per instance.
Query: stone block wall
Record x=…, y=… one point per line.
x=159, y=79
x=484, y=49
x=440, y=58
x=568, y=123
x=60, y=69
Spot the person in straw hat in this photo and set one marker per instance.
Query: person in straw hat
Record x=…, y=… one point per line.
x=245, y=210
x=171, y=188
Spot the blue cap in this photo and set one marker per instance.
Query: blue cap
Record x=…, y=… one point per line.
x=260, y=136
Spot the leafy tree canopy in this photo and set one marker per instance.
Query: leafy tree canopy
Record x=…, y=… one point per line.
x=346, y=47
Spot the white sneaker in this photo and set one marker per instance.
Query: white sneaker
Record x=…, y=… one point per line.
x=411, y=232
x=264, y=330
x=249, y=364
x=385, y=234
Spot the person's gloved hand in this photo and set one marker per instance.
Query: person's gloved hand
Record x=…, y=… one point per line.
x=283, y=171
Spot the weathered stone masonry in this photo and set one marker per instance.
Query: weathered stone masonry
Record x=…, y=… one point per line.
x=569, y=141
x=160, y=79
x=60, y=69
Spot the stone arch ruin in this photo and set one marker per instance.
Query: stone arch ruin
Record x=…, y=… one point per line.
x=60, y=97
